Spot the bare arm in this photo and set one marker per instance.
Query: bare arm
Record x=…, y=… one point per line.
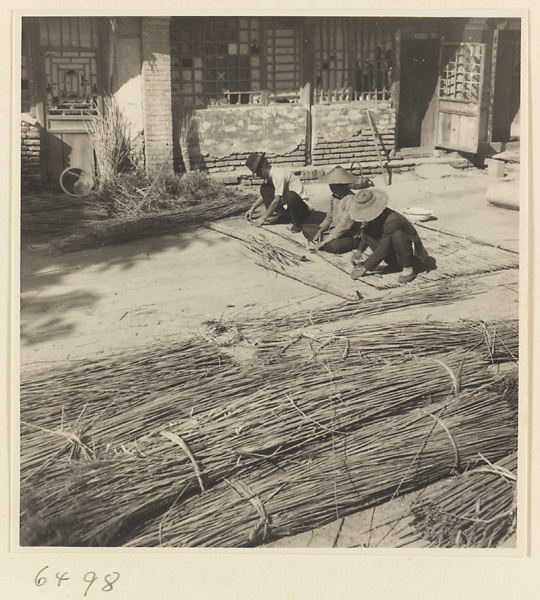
x=273, y=206
x=324, y=226
x=255, y=206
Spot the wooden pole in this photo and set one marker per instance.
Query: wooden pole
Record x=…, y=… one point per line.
x=372, y=126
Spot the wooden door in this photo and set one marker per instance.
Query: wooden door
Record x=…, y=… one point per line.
x=462, y=104
x=70, y=63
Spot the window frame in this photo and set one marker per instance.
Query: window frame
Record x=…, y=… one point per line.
x=353, y=31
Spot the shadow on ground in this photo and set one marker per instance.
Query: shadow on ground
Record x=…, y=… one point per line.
x=49, y=219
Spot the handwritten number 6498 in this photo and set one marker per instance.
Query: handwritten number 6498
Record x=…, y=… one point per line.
x=90, y=578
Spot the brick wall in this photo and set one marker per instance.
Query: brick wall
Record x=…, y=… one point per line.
x=342, y=134
x=30, y=155
x=224, y=137
x=156, y=73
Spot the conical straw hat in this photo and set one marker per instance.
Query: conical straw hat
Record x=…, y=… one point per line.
x=338, y=175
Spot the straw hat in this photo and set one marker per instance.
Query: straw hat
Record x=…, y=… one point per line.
x=254, y=160
x=368, y=204
x=338, y=175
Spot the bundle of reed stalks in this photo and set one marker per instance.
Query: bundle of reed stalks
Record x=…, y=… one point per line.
x=140, y=226
x=51, y=213
x=435, y=294
x=476, y=509
x=270, y=255
x=62, y=405
x=497, y=340
x=241, y=425
x=336, y=476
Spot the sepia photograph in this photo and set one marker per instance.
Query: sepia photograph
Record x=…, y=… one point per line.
x=271, y=271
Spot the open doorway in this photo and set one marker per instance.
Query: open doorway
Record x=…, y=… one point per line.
x=417, y=119
x=506, y=93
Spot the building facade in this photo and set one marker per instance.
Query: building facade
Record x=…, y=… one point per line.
x=307, y=91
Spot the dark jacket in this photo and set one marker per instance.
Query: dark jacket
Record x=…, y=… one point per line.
x=381, y=229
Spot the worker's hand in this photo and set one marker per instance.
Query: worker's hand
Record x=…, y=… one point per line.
x=357, y=259
x=357, y=273
x=249, y=214
x=317, y=237
x=260, y=221
x=318, y=246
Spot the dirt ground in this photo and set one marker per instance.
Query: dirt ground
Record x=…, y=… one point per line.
x=104, y=300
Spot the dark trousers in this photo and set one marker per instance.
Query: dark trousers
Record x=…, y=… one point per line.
x=339, y=246
x=297, y=210
x=400, y=255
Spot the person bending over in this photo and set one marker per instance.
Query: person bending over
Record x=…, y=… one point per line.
x=389, y=235
x=337, y=232
x=282, y=193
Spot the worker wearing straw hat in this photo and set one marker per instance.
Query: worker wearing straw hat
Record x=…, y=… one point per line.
x=282, y=193
x=389, y=235
x=336, y=232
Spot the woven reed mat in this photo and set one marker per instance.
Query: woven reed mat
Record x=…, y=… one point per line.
x=291, y=258
x=453, y=256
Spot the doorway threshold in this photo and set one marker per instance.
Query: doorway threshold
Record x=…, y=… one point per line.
x=420, y=152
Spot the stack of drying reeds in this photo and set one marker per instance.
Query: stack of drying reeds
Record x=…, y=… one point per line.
x=140, y=226
x=111, y=142
x=227, y=422
x=436, y=294
x=498, y=341
x=82, y=408
x=476, y=509
x=336, y=476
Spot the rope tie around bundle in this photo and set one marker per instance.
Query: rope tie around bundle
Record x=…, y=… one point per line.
x=457, y=465
x=261, y=530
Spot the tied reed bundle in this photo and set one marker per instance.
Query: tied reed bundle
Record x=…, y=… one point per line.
x=339, y=475
x=434, y=294
x=476, y=509
x=237, y=424
x=498, y=341
x=154, y=213
x=119, y=398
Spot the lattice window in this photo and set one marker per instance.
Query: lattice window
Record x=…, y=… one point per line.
x=71, y=80
x=353, y=60
x=462, y=74
x=71, y=74
x=373, y=65
x=331, y=61
x=216, y=61
x=283, y=58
